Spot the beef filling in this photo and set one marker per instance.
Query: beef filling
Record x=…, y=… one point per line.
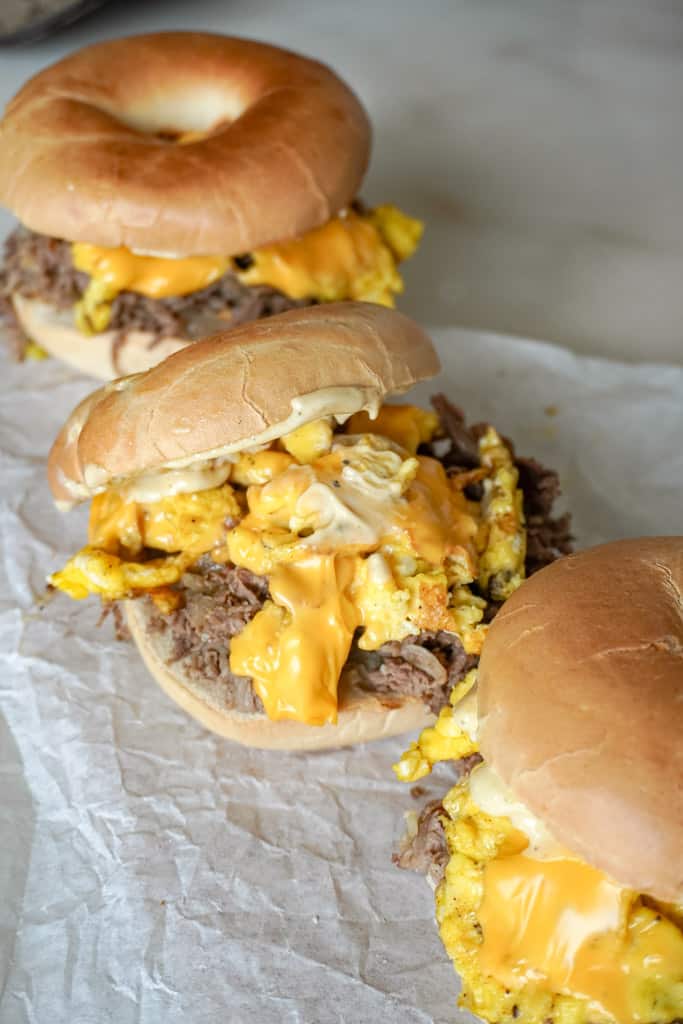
x=427, y=665
x=219, y=601
x=425, y=849
x=547, y=538
x=40, y=267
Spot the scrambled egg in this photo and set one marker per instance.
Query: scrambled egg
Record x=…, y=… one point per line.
x=502, y=564
x=355, y=532
x=446, y=740
x=93, y=571
x=630, y=974
x=353, y=256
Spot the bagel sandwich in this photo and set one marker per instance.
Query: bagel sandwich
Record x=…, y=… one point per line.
x=302, y=564
x=557, y=855
x=171, y=185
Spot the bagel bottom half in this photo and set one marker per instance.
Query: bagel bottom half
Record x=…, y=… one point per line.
x=362, y=716
x=55, y=331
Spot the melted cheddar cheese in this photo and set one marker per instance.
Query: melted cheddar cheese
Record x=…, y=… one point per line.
x=117, y=270
x=353, y=530
x=549, y=938
x=350, y=257
x=408, y=426
x=353, y=256
x=295, y=648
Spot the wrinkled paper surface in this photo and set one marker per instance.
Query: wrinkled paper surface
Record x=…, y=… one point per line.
x=152, y=872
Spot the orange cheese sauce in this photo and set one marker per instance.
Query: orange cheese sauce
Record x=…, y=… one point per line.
x=564, y=924
x=560, y=919
x=295, y=648
x=344, y=259
x=437, y=518
x=158, y=277
x=406, y=425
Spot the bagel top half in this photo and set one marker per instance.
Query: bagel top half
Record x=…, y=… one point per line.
x=182, y=143
x=581, y=707
x=237, y=390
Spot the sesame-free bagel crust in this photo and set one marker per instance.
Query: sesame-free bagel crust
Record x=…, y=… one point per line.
x=87, y=150
x=231, y=389
x=581, y=707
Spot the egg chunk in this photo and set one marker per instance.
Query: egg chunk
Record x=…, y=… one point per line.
x=187, y=525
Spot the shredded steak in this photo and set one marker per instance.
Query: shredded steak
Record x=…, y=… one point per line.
x=427, y=665
x=40, y=267
x=425, y=850
x=113, y=610
x=463, y=452
x=547, y=538
x=218, y=603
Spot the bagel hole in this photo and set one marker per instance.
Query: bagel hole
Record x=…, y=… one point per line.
x=180, y=138
x=183, y=119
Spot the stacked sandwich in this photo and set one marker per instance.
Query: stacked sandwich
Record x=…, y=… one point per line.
x=174, y=184
x=293, y=551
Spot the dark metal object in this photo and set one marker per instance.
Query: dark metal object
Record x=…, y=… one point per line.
x=23, y=21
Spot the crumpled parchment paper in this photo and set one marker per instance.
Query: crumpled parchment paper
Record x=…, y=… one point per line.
x=151, y=872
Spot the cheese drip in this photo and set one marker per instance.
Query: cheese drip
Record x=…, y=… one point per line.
x=566, y=923
x=117, y=270
x=350, y=257
x=295, y=648
x=536, y=933
x=353, y=256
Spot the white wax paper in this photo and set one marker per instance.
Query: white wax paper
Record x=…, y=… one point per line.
x=151, y=872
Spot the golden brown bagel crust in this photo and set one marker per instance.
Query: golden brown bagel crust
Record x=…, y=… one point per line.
x=81, y=157
x=581, y=705
x=362, y=716
x=233, y=387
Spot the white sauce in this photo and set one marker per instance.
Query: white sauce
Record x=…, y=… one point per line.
x=155, y=486
x=465, y=714
x=335, y=522
x=340, y=403
x=494, y=798
x=379, y=572
x=357, y=507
